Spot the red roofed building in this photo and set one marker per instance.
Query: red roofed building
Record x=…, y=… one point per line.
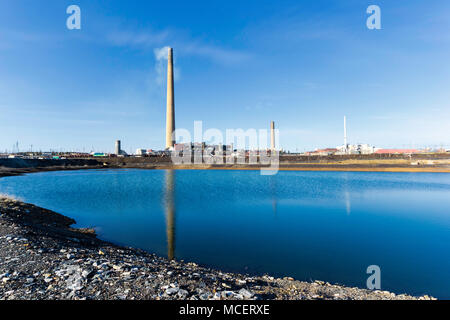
x=322, y=152
x=397, y=151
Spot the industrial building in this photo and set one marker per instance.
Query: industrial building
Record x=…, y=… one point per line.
x=361, y=148
x=118, y=149
x=272, y=136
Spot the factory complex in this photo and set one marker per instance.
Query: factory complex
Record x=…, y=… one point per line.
x=228, y=150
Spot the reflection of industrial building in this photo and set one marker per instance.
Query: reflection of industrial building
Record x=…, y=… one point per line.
x=169, y=206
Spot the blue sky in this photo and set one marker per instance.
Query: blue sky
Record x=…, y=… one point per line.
x=239, y=64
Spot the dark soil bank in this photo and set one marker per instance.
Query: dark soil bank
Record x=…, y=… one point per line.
x=42, y=163
x=16, y=166
x=42, y=257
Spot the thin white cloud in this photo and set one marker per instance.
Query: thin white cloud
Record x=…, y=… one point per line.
x=10, y=39
x=161, y=56
x=184, y=45
x=142, y=39
x=217, y=54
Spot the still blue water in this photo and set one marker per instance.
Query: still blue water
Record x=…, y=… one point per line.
x=309, y=225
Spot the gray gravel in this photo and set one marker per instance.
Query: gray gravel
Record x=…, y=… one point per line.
x=42, y=257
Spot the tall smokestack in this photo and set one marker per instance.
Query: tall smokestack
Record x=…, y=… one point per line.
x=272, y=135
x=170, y=113
x=345, y=134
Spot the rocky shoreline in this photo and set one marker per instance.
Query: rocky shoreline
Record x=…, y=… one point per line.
x=43, y=258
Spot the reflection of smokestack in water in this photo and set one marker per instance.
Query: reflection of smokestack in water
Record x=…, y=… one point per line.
x=348, y=205
x=169, y=205
x=273, y=191
x=272, y=135
x=347, y=202
x=170, y=112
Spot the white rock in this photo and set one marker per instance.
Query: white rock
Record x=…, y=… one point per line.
x=172, y=291
x=246, y=294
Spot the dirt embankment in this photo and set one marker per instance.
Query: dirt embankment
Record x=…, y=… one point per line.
x=383, y=163
x=17, y=166
x=364, y=157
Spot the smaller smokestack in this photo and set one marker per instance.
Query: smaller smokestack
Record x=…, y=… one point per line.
x=117, y=149
x=345, y=135
x=272, y=135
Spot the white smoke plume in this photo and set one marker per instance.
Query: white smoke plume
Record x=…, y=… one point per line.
x=161, y=65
